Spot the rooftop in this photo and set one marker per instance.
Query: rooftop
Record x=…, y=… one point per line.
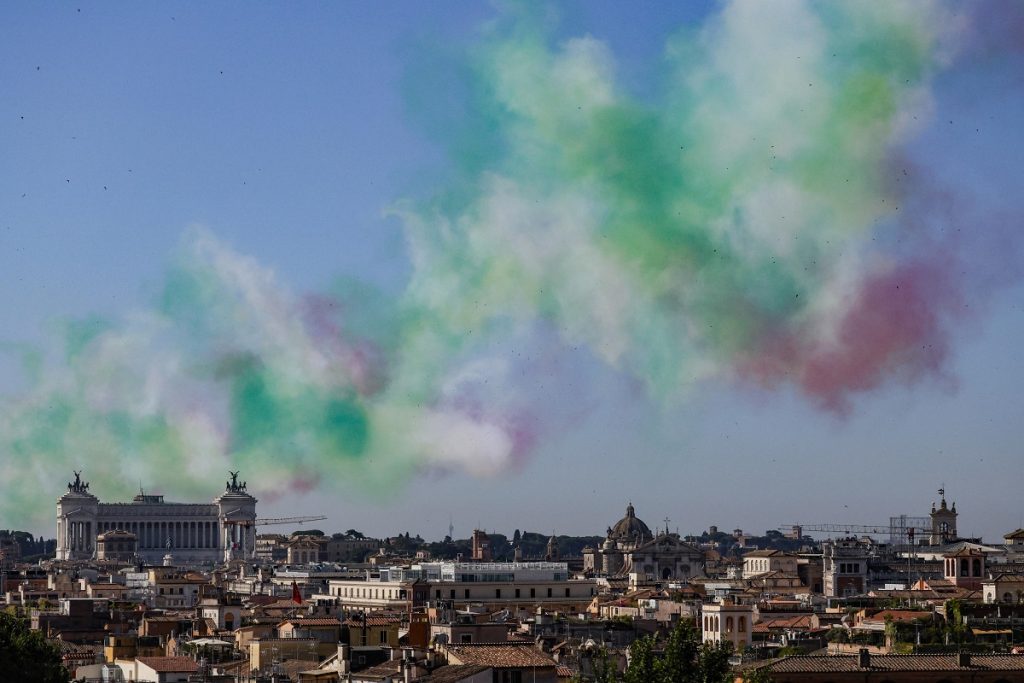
x=499, y=655
x=169, y=664
x=908, y=663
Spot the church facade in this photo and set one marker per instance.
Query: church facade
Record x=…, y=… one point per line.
x=631, y=550
x=189, y=532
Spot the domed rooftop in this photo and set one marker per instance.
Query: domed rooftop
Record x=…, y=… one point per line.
x=630, y=528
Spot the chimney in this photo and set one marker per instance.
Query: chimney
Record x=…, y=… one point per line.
x=864, y=658
x=963, y=659
x=344, y=665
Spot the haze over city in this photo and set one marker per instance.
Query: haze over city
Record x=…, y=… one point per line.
x=511, y=266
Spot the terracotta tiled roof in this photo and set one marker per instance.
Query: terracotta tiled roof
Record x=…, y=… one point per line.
x=765, y=553
x=883, y=663
x=312, y=621
x=500, y=656
x=564, y=672
x=381, y=671
x=898, y=615
x=261, y=599
x=169, y=664
x=453, y=673
x=797, y=622
x=372, y=621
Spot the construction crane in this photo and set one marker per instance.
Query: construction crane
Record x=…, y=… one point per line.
x=854, y=529
x=245, y=524
x=285, y=520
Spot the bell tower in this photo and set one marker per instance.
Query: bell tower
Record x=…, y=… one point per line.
x=943, y=521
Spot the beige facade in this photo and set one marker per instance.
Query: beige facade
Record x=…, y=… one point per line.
x=1004, y=588
x=726, y=622
x=116, y=546
x=765, y=561
x=264, y=652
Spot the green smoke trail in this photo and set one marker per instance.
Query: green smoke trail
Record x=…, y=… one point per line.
x=675, y=237
x=723, y=228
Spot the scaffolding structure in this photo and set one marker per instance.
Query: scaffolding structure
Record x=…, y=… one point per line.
x=901, y=526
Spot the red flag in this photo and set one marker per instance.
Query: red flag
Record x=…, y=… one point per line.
x=296, y=593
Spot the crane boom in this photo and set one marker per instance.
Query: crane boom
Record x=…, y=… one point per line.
x=853, y=528
x=274, y=520
x=288, y=520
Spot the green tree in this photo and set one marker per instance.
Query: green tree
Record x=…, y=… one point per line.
x=955, y=627
x=761, y=674
x=713, y=663
x=25, y=656
x=679, y=663
x=605, y=670
x=685, y=659
x=641, y=661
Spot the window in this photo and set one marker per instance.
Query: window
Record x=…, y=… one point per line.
x=451, y=595
x=467, y=594
x=549, y=592
x=497, y=592
x=466, y=638
x=743, y=625
x=383, y=637
x=517, y=592
x=728, y=624
x=533, y=592
x=566, y=592
x=437, y=594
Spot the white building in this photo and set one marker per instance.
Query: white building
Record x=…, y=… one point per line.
x=191, y=532
x=498, y=584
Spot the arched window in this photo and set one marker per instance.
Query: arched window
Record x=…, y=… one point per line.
x=743, y=625
x=977, y=567
x=964, y=567
x=728, y=624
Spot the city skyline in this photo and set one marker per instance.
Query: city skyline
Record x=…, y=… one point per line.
x=744, y=265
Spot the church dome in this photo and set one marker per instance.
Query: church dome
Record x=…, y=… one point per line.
x=630, y=528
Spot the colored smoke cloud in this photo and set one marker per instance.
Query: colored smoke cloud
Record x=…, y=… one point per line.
x=749, y=223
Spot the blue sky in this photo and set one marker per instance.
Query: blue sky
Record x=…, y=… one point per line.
x=287, y=132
